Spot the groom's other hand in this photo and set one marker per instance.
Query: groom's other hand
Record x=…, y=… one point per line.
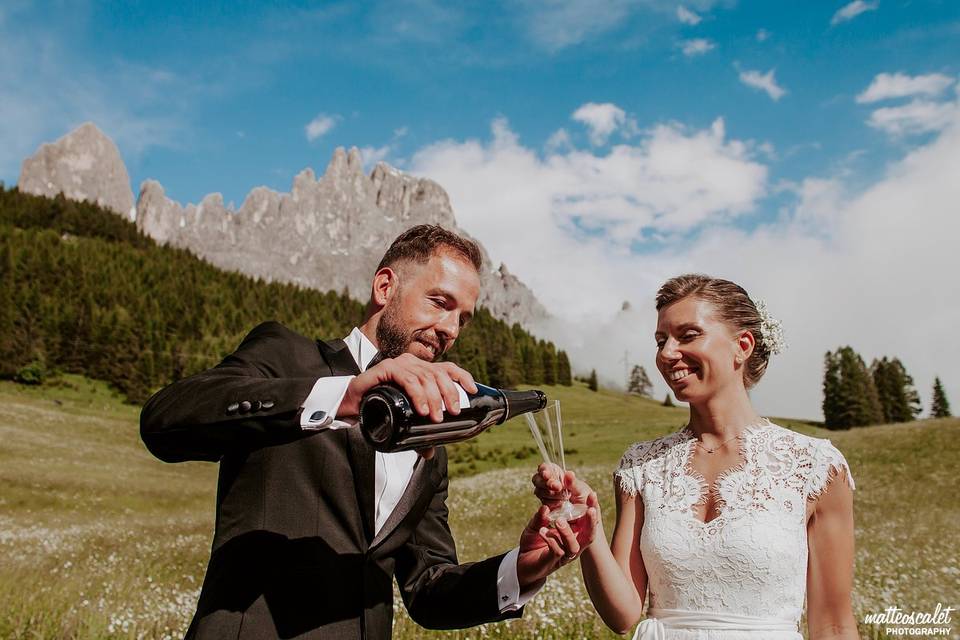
x=544, y=550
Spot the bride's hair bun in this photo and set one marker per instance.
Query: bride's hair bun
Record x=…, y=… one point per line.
x=735, y=308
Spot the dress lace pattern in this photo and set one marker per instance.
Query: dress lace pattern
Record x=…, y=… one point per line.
x=751, y=559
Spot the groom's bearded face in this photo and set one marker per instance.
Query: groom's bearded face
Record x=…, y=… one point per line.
x=396, y=338
x=433, y=301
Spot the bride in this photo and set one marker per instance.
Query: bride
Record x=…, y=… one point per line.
x=728, y=522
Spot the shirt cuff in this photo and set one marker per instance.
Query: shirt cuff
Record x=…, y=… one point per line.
x=320, y=407
x=509, y=597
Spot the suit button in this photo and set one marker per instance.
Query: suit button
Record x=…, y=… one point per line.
x=232, y=408
x=267, y=404
x=256, y=405
x=245, y=406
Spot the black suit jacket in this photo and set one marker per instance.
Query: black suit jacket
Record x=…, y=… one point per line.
x=294, y=553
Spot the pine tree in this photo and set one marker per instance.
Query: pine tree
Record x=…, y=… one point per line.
x=831, y=390
x=592, y=380
x=668, y=401
x=914, y=405
x=640, y=382
x=850, y=396
x=9, y=343
x=941, y=406
x=564, y=374
x=549, y=358
x=899, y=399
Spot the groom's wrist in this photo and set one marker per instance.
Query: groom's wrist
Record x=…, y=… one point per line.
x=512, y=592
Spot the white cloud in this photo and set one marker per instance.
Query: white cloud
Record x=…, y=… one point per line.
x=866, y=267
x=558, y=141
x=762, y=35
x=696, y=47
x=373, y=155
x=563, y=23
x=899, y=85
x=319, y=126
x=602, y=119
x=686, y=16
x=583, y=207
x=557, y=24
x=917, y=116
x=852, y=10
x=764, y=82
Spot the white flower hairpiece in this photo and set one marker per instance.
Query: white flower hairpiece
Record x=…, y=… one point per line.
x=771, y=329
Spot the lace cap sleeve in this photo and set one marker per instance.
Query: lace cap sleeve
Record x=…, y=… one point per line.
x=629, y=473
x=828, y=463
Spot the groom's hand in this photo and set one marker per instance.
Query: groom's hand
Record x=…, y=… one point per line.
x=544, y=550
x=431, y=386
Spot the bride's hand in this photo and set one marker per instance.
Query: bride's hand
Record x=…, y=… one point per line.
x=552, y=490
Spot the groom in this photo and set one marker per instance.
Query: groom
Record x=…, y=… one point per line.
x=312, y=524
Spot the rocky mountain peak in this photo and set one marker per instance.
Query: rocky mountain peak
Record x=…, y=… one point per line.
x=85, y=164
x=327, y=233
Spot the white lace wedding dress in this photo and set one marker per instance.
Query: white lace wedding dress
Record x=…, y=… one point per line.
x=742, y=575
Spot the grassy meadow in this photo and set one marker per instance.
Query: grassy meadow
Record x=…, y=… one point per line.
x=100, y=540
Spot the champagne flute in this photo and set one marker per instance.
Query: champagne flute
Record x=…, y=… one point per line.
x=547, y=429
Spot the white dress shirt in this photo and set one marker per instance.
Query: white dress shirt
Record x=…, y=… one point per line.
x=393, y=470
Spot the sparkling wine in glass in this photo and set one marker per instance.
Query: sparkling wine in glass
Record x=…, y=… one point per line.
x=547, y=429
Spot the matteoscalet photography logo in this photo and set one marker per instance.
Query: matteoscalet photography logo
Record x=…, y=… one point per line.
x=897, y=622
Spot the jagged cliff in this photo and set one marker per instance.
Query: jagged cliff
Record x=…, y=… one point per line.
x=327, y=233
x=84, y=165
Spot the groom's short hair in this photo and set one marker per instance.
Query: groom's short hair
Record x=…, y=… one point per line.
x=422, y=242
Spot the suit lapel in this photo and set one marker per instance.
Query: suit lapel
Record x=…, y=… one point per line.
x=363, y=464
x=419, y=488
x=361, y=454
x=338, y=358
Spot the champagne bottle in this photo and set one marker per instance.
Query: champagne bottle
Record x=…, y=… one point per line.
x=389, y=422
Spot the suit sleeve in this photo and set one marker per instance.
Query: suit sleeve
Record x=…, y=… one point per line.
x=244, y=402
x=438, y=592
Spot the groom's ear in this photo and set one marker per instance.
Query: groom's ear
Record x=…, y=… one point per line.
x=386, y=283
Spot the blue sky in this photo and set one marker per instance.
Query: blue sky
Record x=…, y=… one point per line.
x=586, y=97
x=235, y=85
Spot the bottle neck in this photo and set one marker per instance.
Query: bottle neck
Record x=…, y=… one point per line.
x=519, y=402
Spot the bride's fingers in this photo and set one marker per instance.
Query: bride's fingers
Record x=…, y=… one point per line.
x=550, y=476
x=594, y=516
x=592, y=501
x=577, y=488
x=548, y=497
x=543, y=482
x=546, y=494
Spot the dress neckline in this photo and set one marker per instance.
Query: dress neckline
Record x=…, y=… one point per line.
x=713, y=492
x=749, y=429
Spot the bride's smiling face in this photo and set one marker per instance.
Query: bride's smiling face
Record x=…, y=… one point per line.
x=696, y=352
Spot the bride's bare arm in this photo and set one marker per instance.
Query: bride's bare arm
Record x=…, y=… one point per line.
x=615, y=576
x=830, y=564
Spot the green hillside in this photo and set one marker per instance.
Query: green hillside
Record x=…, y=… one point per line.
x=82, y=291
x=100, y=540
